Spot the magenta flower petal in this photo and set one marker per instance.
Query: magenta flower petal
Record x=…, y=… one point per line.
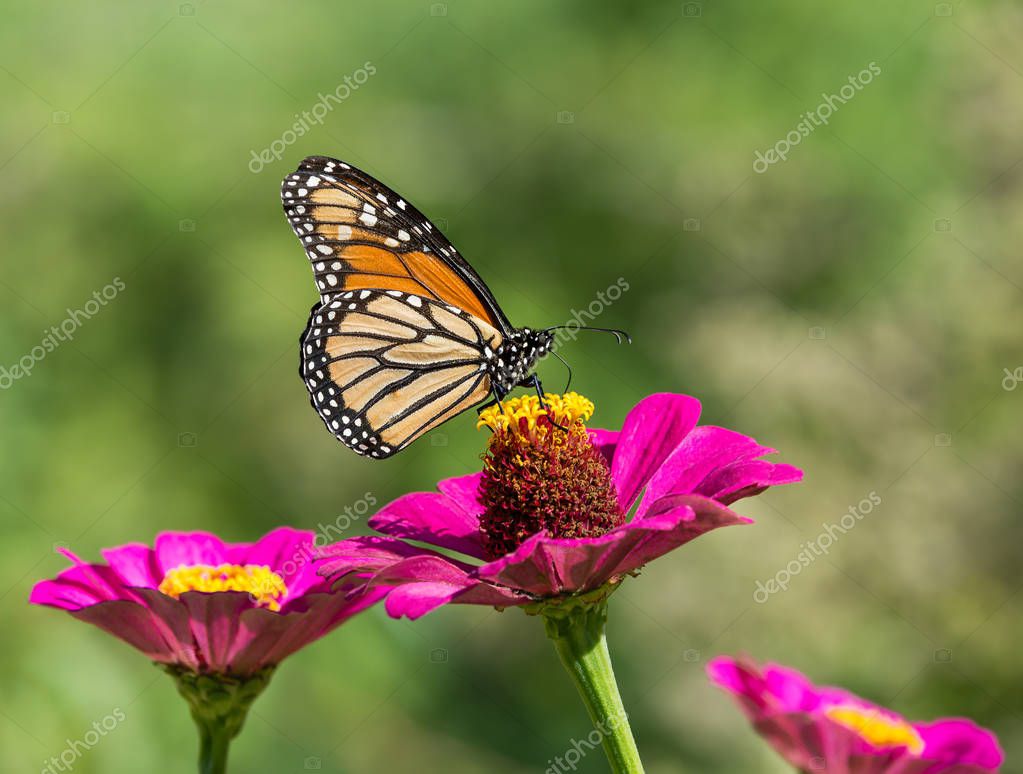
x=545, y=566
x=170, y=618
x=64, y=595
x=535, y=567
x=605, y=441
x=693, y=515
x=434, y=518
x=717, y=463
x=828, y=729
x=81, y=585
x=419, y=580
x=264, y=638
x=267, y=638
x=736, y=482
x=135, y=564
x=215, y=621
x=425, y=567
x=650, y=433
x=285, y=549
x=160, y=640
x=176, y=549
x=278, y=548
x=439, y=582
x=415, y=600
x=369, y=555
x=201, y=628
x=465, y=492
x=960, y=740
x=774, y=685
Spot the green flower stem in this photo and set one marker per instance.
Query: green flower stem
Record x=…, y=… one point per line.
x=214, y=744
x=219, y=705
x=577, y=632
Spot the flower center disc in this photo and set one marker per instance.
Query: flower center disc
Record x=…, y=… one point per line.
x=266, y=587
x=541, y=473
x=880, y=729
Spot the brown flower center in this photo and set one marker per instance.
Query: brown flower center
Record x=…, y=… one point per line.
x=538, y=477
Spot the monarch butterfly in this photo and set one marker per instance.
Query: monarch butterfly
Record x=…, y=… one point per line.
x=406, y=334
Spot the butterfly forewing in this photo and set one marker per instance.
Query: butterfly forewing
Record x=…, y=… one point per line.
x=406, y=334
x=359, y=234
x=384, y=366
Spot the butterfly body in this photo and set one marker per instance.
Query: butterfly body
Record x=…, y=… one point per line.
x=512, y=363
x=406, y=334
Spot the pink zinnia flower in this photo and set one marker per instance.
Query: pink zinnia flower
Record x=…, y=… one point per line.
x=829, y=730
x=547, y=518
x=217, y=616
x=545, y=526
x=200, y=604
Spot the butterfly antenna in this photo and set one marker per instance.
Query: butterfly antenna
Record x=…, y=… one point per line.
x=567, y=367
x=620, y=335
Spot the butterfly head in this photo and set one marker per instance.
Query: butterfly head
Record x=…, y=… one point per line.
x=514, y=359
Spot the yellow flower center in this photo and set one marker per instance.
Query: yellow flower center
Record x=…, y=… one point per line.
x=521, y=414
x=880, y=729
x=260, y=582
x=541, y=473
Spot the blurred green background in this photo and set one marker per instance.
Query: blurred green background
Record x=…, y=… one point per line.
x=857, y=306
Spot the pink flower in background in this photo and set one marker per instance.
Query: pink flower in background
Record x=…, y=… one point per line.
x=548, y=516
x=831, y=731
x=196, y=603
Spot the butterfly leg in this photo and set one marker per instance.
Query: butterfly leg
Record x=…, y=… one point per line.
x=534, y=381
x=489, y=404
x=498, y=395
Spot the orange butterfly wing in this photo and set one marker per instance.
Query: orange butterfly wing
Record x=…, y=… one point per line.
x=359, y=234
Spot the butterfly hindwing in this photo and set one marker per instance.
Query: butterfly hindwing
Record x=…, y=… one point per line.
x=359, y=234
x=384, y=366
